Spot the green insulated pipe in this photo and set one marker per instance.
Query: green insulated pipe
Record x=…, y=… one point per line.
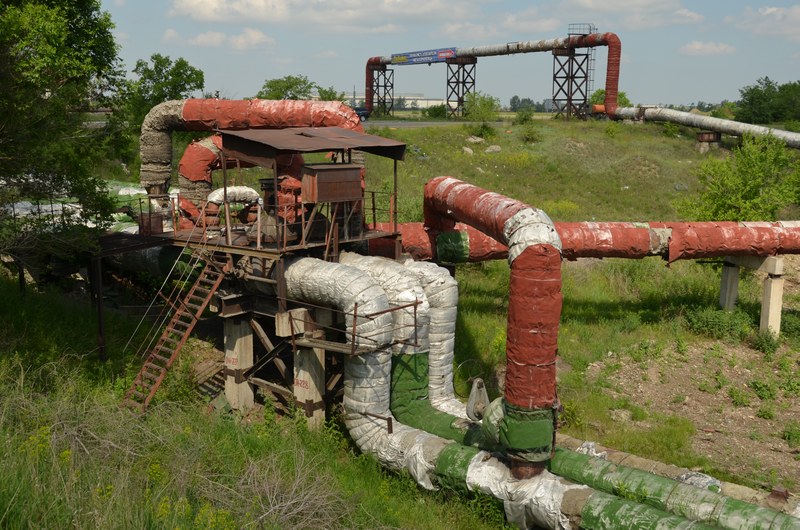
x=579, y=506
x=668, y=495
x=411, y=406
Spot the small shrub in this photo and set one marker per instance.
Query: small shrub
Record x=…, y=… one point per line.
x=523, y=117
x=671, y=130
x=612, y=129
x=766, y=342
x=766, y=412
x=483, y=130
x=531, y=134
x=436, y=112
x=791, y=433
x=739, y=397
x=719, y=324
x=765, y=391
x=792, y=125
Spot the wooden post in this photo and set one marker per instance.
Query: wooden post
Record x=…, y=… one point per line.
x=309, y=363
x=238, y=358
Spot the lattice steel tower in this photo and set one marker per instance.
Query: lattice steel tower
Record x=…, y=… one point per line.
x=573, y=75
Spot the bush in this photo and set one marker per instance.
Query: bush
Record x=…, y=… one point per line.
x=436, y=112
x=671, y=130
x=523, y=117
x=719, y=324
x=531, y=133
x=753, y=184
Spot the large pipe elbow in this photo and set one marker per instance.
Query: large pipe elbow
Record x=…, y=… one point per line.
x=220, y=114
x=373, y=63
x=612, y=41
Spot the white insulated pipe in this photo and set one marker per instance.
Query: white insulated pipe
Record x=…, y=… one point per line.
x=734, y=128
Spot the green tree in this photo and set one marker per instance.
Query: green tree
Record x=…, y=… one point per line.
x=288, y=87
x=330, y=94
x=161, y=79
x=598, y=97
x=56, y=58
x=759, y=102
x=482, y=107
x=758, y=179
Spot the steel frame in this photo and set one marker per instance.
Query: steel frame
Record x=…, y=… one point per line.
x=383, y=88
x=460, y=83
x=573, y=75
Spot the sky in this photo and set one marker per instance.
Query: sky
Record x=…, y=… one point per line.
x=673, y=51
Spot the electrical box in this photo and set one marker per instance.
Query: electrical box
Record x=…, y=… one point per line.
x=331, y=182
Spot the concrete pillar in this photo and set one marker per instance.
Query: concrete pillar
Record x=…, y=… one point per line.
x=772, y=293
x=238, y=357
x=771, y=304
x=729, y=290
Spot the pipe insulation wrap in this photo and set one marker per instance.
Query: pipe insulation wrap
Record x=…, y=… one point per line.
x=734, y=128
x=410, y=325
x=531, y=503
x=367, y=376
x=529, y=227
x=441, y=290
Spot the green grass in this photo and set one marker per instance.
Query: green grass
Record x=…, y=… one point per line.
x=71, y=457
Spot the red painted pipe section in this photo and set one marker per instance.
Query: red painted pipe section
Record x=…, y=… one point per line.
x=534, y=305
x=373, y=63
x=674, y=241
x=612, y=66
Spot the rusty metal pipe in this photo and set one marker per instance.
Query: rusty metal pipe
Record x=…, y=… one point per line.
x=611, y=40
x=734, y=128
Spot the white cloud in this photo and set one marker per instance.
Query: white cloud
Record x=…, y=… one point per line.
x=170, y=35
x=641, y=14
x=782, y=22
x=327, y=54
x=249, y=39
x=531, y=21
x=211, y=39
x=351, y=16
x=467, y=31
x=706, y=48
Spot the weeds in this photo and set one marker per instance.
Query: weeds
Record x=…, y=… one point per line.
x=791, y=433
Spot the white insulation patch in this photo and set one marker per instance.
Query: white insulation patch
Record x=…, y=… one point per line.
x=410, y=324
x=442, y=292
x=529, y=227
x=530, y=503
x=367, y=377
x=244, y=194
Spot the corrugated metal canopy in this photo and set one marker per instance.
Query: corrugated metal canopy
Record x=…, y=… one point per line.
x=259, y=143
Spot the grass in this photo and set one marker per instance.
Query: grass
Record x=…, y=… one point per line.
x=71, y=457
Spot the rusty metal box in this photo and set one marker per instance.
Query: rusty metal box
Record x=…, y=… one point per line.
x=331, y=182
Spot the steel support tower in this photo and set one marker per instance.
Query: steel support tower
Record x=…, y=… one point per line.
x=460, y=83
x=573, y=75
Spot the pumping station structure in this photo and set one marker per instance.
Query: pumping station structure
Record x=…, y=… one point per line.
x=325, y=299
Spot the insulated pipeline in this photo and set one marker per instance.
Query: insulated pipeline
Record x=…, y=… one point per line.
x=213, y=114
x=533, y=314
x=709, y=123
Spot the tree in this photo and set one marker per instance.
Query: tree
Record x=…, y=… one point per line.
x=758, y=103
x=330, y=94
x=752, y=184
x=513, y=104
x=156, y=81
x=599, y=97
x=289, y=87
x=55, y=58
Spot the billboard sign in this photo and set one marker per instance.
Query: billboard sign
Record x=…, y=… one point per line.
x=424, y=57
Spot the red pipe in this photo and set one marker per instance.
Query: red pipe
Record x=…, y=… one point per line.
x=373, y=63
x=612, y=65
x=674, y=241
x=534, y=305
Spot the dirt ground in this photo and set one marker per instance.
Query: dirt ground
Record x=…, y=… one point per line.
x=741, y=436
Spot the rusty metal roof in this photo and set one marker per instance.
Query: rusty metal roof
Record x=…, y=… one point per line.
x=257, y=144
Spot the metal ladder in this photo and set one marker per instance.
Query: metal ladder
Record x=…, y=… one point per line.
x=186, y=314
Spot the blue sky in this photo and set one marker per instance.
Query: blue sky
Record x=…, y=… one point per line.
x=673, y=51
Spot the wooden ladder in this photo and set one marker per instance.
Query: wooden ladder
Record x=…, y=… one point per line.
x=186, y=314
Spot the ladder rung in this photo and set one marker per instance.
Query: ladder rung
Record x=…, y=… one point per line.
x=148, y=375
x=160, y=358
x=138, y=394
x=155, y=367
